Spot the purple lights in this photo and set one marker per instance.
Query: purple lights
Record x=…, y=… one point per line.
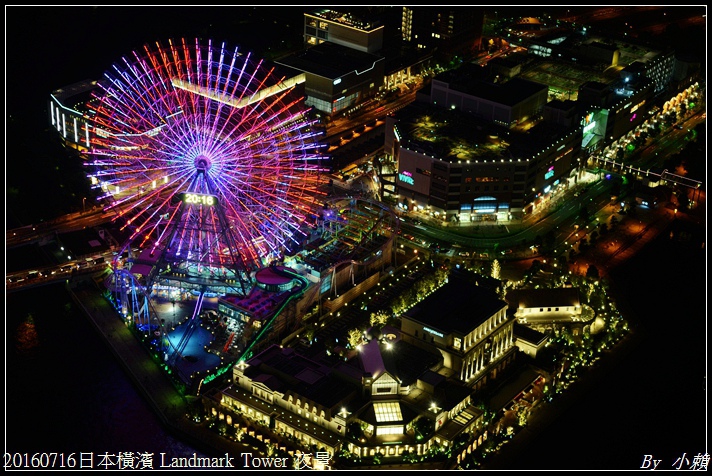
x=199, y=118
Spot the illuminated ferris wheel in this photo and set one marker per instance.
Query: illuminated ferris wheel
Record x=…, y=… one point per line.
x=207, y=156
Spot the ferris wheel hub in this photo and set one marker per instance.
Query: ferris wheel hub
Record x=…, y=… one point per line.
x=202, y=163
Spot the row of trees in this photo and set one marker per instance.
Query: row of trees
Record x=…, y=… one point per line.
x=389, y=314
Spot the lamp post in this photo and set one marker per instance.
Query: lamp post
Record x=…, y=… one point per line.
x=84, y=201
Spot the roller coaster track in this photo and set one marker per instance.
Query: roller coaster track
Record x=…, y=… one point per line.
x=293, y=295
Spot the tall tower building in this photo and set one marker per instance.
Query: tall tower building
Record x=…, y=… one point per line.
x=449, y=30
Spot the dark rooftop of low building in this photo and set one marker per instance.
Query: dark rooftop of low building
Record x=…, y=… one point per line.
x=564, y=105
x=510, y=61
x=528, y=334
x=399, y=358
x=285, y=370
x=449, y=393
x=481, y=280
x=541, y=136
x=458, y=306
x=76, y=96
x=456, y=136
x=83, y=242
x=407, y=361
x=595, y=85
x=466, y=79
x=515, y=385
x=330, y=60
x=605, y=46
x=432, y=378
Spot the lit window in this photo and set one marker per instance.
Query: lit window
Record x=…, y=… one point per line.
x=387, y=411
x=389, y=430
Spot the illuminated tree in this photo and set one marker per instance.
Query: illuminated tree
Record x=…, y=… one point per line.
x=522, y=415
x=309, y=331
x=379, y=318
x=496, y=269
x=26, y=338
x=354, y=337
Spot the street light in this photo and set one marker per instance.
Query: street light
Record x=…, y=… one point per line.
x=84, y=201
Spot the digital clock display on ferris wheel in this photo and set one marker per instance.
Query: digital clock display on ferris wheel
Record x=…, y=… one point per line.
x=199, y=199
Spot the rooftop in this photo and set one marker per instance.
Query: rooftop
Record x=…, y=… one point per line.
x=528, y=334
x=347, y=18
x=352, y=230
x=457, y=137
x=509, y=93
x=291, y=373
x=513, y=387
x=331, y=61
x=458, y=306
x=259, y=303
x=75, y=96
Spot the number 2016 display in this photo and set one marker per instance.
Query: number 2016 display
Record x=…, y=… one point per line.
x=199, y=199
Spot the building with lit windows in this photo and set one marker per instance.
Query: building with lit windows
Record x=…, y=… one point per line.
x=612, y=111
x=337, y=77
x=371, y=29
x=448, y=30
x=400, y=391
x=368, y=403
x=659, y=69
x=406, y=65
x=545, y=309
x=343, y=28
x=68, y=113
x=463, y=169
x=468, y=325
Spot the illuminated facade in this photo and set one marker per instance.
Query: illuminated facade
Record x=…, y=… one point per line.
x=68, y=113
x=660, y=70
x=449, y=30
x=528, y=340
x=343, y=28
x=545, y=309
x=337, y=77
x=613, y=110
x=460, y=168
x=468, y=325
x=365, y=405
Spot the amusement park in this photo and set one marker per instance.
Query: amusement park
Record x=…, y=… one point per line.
x=210, y=163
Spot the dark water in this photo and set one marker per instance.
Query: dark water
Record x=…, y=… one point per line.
x=653, y=399
x=65, y=391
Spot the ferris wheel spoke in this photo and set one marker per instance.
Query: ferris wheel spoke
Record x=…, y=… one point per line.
x=202, y=119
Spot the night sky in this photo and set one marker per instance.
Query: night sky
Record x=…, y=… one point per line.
x=51, y=47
